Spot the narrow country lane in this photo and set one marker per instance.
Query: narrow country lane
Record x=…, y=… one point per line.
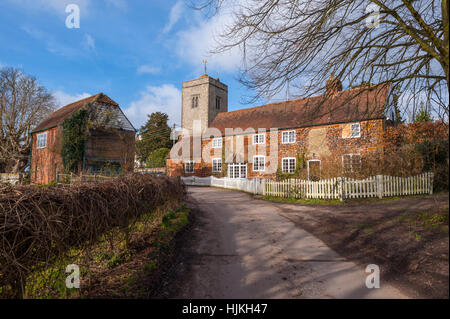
x=242, y=247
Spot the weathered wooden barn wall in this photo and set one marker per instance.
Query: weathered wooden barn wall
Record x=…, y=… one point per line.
x=115, y=142
x=114, y=145
x=46, y=162
x=101, y=146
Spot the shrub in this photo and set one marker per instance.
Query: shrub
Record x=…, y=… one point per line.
x=39, y=225
x=157, y=158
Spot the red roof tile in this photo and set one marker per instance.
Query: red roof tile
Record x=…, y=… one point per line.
x=344, y=106
x=65, y=112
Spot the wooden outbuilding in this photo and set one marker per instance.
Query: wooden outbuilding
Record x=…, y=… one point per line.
x=108, y=146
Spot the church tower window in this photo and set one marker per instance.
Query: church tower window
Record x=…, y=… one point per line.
x=195, y=101
x=218, y=102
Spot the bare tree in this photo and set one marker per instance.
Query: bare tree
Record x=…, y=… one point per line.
x=23, y=104
x=301, y=42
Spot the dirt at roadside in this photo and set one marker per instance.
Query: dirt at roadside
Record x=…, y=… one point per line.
x=408, y=239
x=142, y=274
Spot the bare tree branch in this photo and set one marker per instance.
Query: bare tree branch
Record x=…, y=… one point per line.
x=24, y=103
x=300, y=43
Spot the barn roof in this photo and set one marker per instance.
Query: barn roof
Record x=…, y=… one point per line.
x=358, y=104
x=65, y=112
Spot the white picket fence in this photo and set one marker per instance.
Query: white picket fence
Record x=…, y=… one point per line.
x=161, y=170
x=81, y=178
x=343, y=188
x=255, y=186
x=13, y=179
x=333, y=188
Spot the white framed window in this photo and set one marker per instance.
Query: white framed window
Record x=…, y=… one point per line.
x=217, y=165
x=355, y=130
x=288, y=164
x=351, y=163
x=189, y=166
x=42, y=140
x=217, y=142
x=288, y=137
x=237, y=170
x=259, y=163
x=259, y=138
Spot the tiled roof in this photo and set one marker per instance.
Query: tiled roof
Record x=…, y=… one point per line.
x=344, y=106
x=65, y=112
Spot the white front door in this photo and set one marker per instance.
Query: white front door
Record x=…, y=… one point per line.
x=237, y=170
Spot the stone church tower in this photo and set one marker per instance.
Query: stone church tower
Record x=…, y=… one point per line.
x=202, y=99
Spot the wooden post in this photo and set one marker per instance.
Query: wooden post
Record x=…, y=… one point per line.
x=265, y=184
x=340, y=181
x=380, y=186
x=430, y=176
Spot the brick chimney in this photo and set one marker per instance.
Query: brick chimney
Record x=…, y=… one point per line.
x=333, y=85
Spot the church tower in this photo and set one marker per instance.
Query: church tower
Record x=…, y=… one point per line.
x=202, y=99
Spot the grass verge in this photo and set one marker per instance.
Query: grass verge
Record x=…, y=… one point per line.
x=124, y=263
x=303, y=201
x=350, y=201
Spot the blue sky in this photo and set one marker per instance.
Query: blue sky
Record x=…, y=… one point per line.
x=137, y=52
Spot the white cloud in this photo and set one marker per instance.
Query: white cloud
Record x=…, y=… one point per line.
x=62, y=4
x=165, y=98
x=34, y=32
x=63, y=98
x=50, y=43
x=197, y=42
x=58, y=6
x=148, y=69
x=119, y=4
x=57, y=47
x=89, y=42
x=174, y=16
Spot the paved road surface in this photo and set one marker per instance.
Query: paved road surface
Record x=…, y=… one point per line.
x=244, y=248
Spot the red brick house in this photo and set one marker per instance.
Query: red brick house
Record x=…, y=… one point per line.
x=339, y=127
x=110, y=146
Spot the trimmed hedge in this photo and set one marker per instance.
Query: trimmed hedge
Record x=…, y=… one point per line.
x=40, y=224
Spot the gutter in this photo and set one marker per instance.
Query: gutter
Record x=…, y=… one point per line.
x=44, y=129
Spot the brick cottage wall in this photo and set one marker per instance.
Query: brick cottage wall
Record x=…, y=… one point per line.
x=45, y=162
x=325, y=142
